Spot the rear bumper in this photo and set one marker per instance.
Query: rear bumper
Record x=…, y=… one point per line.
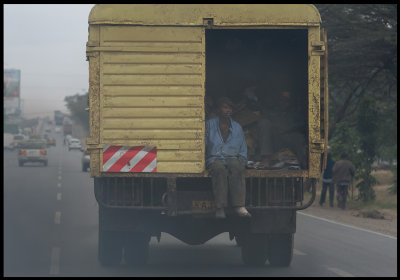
x=32, y=159
x=166, y=196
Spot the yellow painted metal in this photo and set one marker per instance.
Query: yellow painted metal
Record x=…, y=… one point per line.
x=324, y=99
x=147, y=76
x=152, y=92
x=198, y=14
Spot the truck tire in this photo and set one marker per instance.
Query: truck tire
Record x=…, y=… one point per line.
x=45, y=163
x=137, y=248
x=20, y=163
x=280, y=249
x=110, y=249
x=254, y=249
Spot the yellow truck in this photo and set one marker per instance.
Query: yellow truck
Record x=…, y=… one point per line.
x=154, y=71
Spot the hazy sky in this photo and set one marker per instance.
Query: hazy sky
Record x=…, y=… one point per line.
x=48, y=44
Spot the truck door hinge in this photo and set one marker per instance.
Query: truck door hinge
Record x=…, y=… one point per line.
x=317, y=48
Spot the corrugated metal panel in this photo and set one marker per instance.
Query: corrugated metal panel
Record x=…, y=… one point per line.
x=152, y=92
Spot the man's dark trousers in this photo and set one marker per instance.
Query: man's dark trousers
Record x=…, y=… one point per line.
x=331, y=193
x=227, y=178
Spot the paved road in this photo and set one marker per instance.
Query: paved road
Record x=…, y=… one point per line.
x=50, y=229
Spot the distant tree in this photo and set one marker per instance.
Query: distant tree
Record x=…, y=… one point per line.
x=367, y=127
x=76, y=105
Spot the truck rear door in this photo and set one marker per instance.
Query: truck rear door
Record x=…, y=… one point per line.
x=152, y=92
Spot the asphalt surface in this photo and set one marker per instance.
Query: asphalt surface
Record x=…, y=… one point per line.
x=50, y=229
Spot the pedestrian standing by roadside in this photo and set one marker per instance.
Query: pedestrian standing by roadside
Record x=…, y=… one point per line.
x=226, y=158
x=343, y=173
x=327, y=182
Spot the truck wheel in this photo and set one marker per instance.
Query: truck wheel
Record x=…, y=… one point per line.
x=254, y=249
x=110, y=249
x=137, y=248
x=20, y=163
x=84, y=168
x=45, y=163
x=280, y=252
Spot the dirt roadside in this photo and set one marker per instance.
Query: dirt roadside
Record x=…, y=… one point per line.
x=383, y=221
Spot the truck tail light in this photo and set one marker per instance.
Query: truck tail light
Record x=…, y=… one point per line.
x=22, y=152
x=43, y=152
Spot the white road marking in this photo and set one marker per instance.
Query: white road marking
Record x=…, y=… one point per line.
x=354, y=227
x=59, y=185
x=57, y=218
x=297, y=252
x=55, y=261
x=340, y=272
x=59, y=196
x=59, y=178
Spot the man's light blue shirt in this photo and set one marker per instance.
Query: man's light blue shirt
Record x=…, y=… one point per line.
x=234, y=147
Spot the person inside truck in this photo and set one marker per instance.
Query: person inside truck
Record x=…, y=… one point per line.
x=283, y=126
x=226, y=158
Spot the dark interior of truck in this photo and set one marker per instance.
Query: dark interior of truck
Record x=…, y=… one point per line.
x=256, y=68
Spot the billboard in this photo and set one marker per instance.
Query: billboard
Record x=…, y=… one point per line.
x=12, y=81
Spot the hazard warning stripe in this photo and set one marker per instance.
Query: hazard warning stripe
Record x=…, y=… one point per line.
x=124, y=159
x=108, y=151
x=145, y=161
x=111, y=154
x=129, y=159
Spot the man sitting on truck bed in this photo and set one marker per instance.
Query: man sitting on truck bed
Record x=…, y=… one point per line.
x=226, y=158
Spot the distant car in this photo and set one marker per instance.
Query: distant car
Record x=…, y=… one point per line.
x=32, y=151
x=48, y=130
x=51, y=141
x=67, y=139
x=8, y=141
x=74, y=144
x=57, y=129
x=85, y=161
x=18, y=139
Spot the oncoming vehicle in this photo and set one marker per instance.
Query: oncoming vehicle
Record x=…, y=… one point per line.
x=74, y=144
x=32, y=151
x=85, y=160
x=152, y=69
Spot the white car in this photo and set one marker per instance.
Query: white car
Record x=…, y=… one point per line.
x=32, y=151
x=74, y=144
x=67, y=139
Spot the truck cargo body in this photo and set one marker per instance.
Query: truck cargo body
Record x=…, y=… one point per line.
x=67, y=128
x=152, y=68
x=58, y=117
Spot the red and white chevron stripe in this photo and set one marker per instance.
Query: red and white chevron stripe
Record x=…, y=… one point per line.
x=129, y=159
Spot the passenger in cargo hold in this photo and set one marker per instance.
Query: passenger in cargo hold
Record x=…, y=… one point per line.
x=282, y=128
x=226, y=158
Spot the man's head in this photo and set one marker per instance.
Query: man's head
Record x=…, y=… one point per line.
x=224, y=106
